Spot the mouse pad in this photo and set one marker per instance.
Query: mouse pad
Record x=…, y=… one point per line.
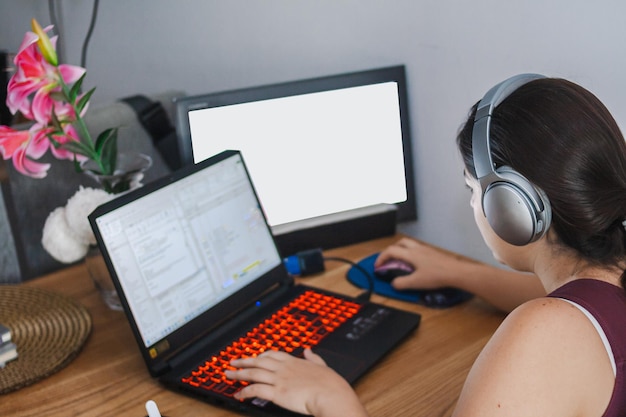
x=356, y=277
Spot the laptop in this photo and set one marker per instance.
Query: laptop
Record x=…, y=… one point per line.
x=201, y=281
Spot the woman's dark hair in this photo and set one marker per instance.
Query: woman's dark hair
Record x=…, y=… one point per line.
x=564, y=140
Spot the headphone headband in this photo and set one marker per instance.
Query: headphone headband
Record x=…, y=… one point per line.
x=483, y=163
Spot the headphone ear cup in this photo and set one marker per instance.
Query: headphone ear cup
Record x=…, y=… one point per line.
x=517, y=212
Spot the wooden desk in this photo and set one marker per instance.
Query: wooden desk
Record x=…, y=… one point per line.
x=422, y=377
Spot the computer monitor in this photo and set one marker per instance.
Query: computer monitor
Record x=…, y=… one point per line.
x=330, y=157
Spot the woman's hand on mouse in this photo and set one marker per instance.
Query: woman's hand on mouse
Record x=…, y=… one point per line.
x=434, y=268
x=306, y=386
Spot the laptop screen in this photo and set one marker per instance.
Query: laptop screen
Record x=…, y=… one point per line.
x=181, y=249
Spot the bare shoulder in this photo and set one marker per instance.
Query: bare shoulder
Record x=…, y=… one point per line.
x=546, y=350
x=541, y=317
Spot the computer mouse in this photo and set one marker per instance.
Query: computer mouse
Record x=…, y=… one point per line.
x=392, y=269
x=435, y=298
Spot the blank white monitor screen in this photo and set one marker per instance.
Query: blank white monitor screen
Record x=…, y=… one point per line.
x=312, y=154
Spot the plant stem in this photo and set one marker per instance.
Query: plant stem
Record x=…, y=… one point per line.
x=84, y=135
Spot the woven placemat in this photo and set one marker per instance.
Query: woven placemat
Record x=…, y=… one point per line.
x=48, y=329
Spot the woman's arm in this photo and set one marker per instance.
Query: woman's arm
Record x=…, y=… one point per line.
x=436, y=267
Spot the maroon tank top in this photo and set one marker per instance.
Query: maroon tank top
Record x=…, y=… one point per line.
x=607, y=303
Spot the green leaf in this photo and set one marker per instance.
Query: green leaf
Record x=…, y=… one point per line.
x=75, y=90
x=106, y=148
x=104, y=137
x=55, y=122
x=77, y=166
x=77, y=147
x=84, y=100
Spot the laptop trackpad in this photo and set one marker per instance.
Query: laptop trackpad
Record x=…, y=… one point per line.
x=348, y=367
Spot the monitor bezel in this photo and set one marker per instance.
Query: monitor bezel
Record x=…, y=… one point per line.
x=406, y=210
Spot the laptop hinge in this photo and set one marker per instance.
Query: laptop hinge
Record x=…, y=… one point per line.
x=263, y=305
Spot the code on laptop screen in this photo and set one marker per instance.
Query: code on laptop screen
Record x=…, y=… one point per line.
x=182, y=249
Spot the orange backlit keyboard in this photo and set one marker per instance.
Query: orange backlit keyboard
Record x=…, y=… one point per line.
x=301, y=324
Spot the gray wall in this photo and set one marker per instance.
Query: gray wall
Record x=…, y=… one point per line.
x=454, y=51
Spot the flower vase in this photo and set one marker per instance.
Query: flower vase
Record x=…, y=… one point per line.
x=128, y=174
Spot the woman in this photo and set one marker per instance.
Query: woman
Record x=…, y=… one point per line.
x=562, y=349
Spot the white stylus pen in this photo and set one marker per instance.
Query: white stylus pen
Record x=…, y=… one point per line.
x=152, y=409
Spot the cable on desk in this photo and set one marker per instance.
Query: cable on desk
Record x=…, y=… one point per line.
x=311, y=261
x=367, y=294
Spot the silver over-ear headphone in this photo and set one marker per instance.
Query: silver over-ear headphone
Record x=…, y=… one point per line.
x=517, y=211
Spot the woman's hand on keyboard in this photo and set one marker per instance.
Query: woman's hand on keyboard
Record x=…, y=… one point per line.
x=306, y=386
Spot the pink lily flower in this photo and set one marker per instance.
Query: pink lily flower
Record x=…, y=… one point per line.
x=35, y=74
x=24, y=147
x=43, y=105
x=46, y=92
